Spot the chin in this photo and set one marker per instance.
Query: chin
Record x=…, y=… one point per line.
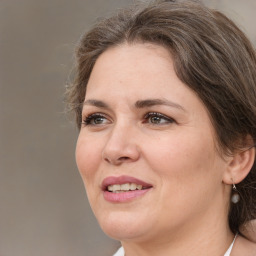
x=124, y=226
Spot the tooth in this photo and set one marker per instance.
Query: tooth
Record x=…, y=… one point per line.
x=110, y=188
x=139, y=187
x=125, y=186
x=133, y=186
x=116, y=187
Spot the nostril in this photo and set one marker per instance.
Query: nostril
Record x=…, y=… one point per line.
x=117, y=161
x=118, y=155
x=107, y=160
x=123, y=158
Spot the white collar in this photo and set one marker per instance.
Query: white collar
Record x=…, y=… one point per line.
x=120, y=252
x=230, y=247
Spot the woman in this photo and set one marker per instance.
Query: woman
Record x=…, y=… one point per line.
x=165, y=100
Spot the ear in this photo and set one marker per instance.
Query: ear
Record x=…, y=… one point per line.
x=239, y=166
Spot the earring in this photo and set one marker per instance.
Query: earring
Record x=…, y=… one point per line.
x=235, y=198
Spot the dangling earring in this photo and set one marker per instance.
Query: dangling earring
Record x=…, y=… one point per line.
x=235, y=198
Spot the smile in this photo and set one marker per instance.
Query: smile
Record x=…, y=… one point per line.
x=123, y=188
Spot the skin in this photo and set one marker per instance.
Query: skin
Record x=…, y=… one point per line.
x=185, y=213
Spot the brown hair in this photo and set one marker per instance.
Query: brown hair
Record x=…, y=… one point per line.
x=211, y=56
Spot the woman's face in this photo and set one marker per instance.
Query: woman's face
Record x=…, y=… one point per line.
x=146, y=150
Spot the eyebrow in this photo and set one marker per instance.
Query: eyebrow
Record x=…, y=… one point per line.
x=139, y=104
x=96, y=103
x=154, y=102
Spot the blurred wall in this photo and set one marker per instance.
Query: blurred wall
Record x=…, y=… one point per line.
x=43, y=205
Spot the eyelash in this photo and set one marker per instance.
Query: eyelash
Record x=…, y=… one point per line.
x=166, y=119
x=92, y=117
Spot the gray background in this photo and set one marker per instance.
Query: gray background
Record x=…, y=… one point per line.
x=43, y=205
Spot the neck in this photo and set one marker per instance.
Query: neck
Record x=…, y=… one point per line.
x=203, y=236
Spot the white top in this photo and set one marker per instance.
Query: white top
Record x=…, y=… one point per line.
x=230, y=247
x=120, y=251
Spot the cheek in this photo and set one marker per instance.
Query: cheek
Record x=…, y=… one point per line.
x=87, y=158
x=188, y=169
x=183, y=161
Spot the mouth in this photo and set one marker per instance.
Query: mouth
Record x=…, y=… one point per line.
x=123, y=188
x=117, y=188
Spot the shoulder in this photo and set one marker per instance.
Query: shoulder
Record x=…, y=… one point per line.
x=244, y=247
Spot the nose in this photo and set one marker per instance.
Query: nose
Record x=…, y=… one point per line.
x=121, y=146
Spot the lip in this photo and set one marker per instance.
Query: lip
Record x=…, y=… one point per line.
x=123, y=196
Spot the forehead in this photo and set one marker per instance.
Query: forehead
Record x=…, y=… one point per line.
x=133, y=72
x=142, y=64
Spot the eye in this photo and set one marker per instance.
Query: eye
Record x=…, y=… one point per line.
x=157, y=119
x=95, y=119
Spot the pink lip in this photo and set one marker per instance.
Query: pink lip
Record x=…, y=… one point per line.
x=124, y=196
